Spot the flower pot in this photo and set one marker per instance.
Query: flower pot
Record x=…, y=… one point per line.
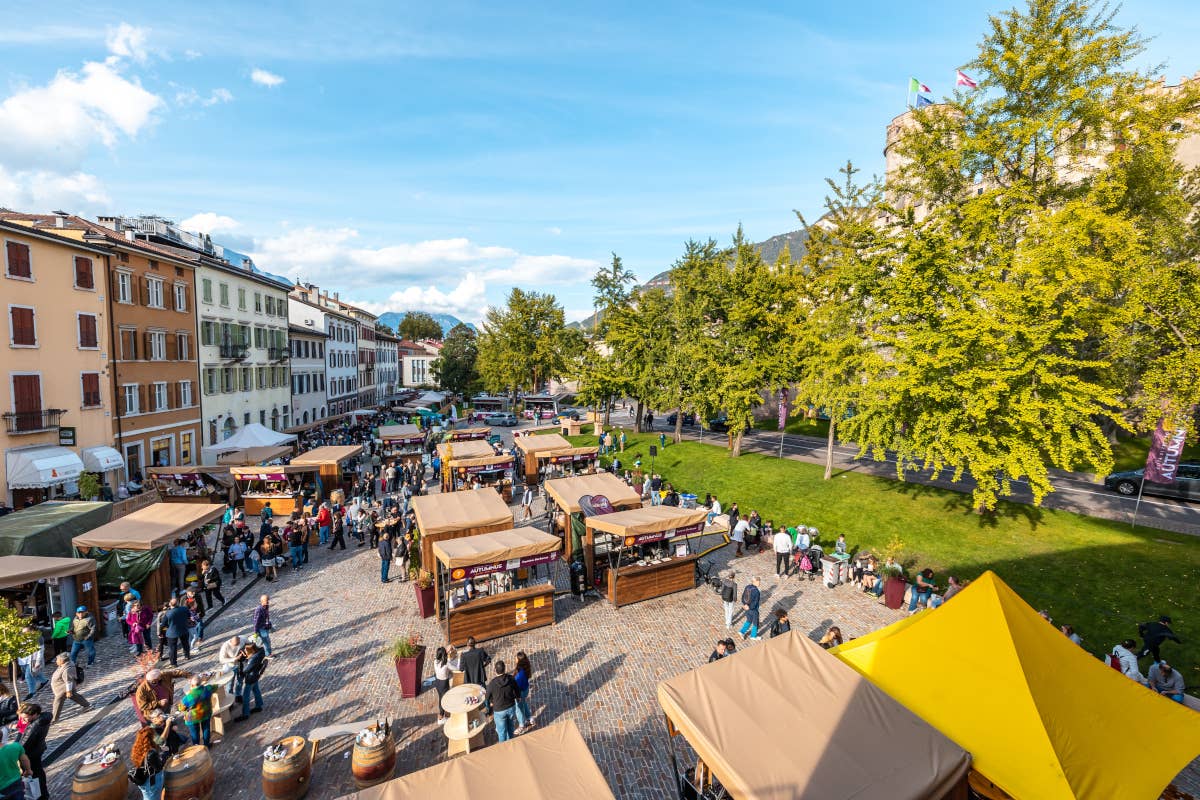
x=425, y=600
x=409, y=670
x=893, y=592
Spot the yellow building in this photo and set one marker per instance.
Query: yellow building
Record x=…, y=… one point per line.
x=54, y=387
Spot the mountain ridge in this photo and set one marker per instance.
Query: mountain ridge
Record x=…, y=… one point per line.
x=393, y=319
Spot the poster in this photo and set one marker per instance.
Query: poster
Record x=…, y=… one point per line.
x=522, y=614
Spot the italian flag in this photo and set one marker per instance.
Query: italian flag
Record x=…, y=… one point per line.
x=915, y=85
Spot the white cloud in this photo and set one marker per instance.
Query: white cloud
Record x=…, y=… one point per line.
x=467, y=300
x=264, y=78
x=209, y=222
x=190, y=97
x=191, y=55
x=128, y=41
x=43, y=190
x=529, y=271
x=554, y=230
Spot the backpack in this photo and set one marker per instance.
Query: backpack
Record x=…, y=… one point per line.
x=1114, y=661
x=728, y=591
x=746, y=596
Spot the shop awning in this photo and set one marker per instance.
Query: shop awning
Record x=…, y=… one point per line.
x=403, y=433
x=571, y=453
x=1042, y=717
x=150, y=527
x=101, y=459
x=566, y=491
x=316, y=423
x=334, y=454
x=275, y=472
x=784, y=720
x=541, y=442
x=490, y=548
x=18, y=570
x=553, y=762
x=650, y=519
x=42, y=467
x=481, y=462
x=463, y=433
x=450, y=452
x=253, y=455
x=456, y=511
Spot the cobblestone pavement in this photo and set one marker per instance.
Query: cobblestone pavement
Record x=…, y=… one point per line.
x=598, y=666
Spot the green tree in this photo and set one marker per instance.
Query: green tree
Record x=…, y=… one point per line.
x=15, y=640
x=418, y=325
x=455, y=369
x=525, y=344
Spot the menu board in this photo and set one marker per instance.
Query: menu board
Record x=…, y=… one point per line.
x=658, y=536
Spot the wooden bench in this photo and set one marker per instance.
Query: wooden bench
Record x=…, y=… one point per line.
x=317, y=735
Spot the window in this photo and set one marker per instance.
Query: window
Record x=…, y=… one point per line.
x=157, y=345
x=90, y=384
x=154, y=292
x=210, y=381
x=227, y=379
x=206, y=290
x=16, y=258
x=87, y=331
x=262, y=417
x=22, y=330
x=160, y=451
x=160, y=396
x=131, y=396
x=246, y=418
x=262, y=377
x=185, y=394
x=246, y=383
x=224, y=293
x=258, y=337
x=84, y=276
x=181, y=303
x=208, y=333
x=183, y=347
x=185, y=448
x=128, y=344
x=258, y=302
x=241, y=298
x=124, y=287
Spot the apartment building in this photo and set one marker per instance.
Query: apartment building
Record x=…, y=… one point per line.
x=368, y=394
x=387, y=365
x=314, y=310
x=54, y=382
x=416, y=362
x=309, y=399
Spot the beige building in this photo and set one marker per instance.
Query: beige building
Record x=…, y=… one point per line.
x=54, y=382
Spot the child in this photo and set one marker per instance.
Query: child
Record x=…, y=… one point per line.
x=62, y=629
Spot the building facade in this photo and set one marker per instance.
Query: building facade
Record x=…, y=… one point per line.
x=54, y=375
x=309, y=399
x=416, y=362
x=311, y=309
x=387, y=365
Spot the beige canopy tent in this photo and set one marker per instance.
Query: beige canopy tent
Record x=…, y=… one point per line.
x=541, y=443
x=150, y=527
x=454, y=515
x=332, y=454
x=468, y=434
x=548, y=764
x=470, y=448
x=650, y=519
x=402, y=433
x=566, y=491
x=784, y=720
x=489, y=548
x=253, y=455
x=19, y=570
x=73, y=580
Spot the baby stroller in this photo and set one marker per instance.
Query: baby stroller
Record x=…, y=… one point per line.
x=808, y=562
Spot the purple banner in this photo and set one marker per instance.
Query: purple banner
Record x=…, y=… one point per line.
x=567, y=459
x=1166, y=448
x=262, y=476
x=475, y=570
x=472, y=470
x=783, y=408
x=658, y=536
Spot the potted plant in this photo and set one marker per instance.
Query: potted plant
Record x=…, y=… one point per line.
x=408, y=654
x=423, y=584
x=894, y=583
x=89, y=486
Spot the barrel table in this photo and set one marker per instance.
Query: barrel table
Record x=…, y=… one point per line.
x=94, y=782
x=189, y=775
x=288, y=778
x=464, y=730
x=372, y=765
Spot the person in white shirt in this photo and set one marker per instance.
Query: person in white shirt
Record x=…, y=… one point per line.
x=803, y=539
x=782, y=544
x=31, y=665
x=714, y=510
x=739, y=534
x=1126, y=653
x=228, y=658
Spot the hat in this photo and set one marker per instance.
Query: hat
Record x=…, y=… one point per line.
x=81, y=608
x=153, y=675
x=1165, y=618
x=791, y=531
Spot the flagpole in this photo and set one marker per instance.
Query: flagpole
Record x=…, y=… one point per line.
x=1137, y=505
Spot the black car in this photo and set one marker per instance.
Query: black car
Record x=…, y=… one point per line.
x=688, y=418
x=718, y=425
x=1185, y=487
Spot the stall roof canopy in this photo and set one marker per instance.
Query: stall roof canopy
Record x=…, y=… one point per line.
x=567, y=491
x=316, y=423
x=150, y=527
x=468, y=432
x=646, y=520
x=335, y=454
x=454, y=511
x=482, y=461
x=253, y=455
x=248, y=473
x=490, y=548
x=471, y=448
x=784, y=720
x=188, y=470
x=47, y=528
x=1042, y=717
x=542, y=442
x=548, y=764
x=400, y=432
x=252, y=435
x=40, y=467
x=18, y=570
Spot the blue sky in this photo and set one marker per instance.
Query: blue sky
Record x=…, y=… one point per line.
x=413, y=156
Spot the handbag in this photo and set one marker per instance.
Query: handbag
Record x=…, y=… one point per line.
x=33, y=789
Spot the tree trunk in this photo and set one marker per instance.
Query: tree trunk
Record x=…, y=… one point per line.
x=637, y=422
x=679, y=426
x=607, y=410
x=829, y=451
x=735, y=443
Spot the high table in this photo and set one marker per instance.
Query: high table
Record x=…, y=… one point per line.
x=466, y=725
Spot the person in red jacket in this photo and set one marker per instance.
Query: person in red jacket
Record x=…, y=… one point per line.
x=324, y=523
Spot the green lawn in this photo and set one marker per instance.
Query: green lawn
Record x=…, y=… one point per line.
x=1102, y=577
x=796, y=424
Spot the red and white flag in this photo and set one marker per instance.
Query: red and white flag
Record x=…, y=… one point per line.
x=961, y=79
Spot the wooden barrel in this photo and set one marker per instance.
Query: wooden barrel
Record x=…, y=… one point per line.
x=189, y=775
x=93, y=782
x=372, y=765
x=287, y=779
x=984, y=789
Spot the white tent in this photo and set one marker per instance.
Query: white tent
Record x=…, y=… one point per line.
x=252, y=435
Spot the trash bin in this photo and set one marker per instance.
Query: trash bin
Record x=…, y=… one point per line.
x=830, y=572
x=688, y=500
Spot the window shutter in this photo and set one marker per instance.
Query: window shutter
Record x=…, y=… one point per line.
x=18, y=260
x=172, y=347
x=142, y=404
x=23, y=330
x=27, y=393
x=144, y=282
x=87, y=330
x=146, y=346
x=173, y=395
x=83, y=273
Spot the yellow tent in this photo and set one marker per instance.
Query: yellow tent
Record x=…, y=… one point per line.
x=1041, y=717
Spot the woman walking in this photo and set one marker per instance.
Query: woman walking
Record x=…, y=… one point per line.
x=521, y=676
x=140, y=619
x=210, y=579
x=441, y=680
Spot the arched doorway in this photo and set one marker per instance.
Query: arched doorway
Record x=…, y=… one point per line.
x=229, y=428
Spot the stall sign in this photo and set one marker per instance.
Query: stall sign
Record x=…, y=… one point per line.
x=476, y=468
x=658, y=536
x=579, y=458
x=263, y=476
x=475, y=570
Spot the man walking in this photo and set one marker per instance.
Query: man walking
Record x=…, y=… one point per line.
x=83, y=635
x=178, y=622
x=296, y=537
x=324, y=523
x=782, y=544
x=527, y=503
x=62, y=683
x=1154, y=634
x=339, y=532
x=385, y=556
x=750, y=600
x=729, y=596
x=179, y=561
x=262, y=622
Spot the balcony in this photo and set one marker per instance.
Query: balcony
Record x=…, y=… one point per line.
x=33, y=421
x=277, y=353
x=234, y=352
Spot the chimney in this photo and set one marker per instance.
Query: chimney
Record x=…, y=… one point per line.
x=337, y=296
x=130, y=235
x=60, y=221
x=246, y=265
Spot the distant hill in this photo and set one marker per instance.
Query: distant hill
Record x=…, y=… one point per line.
x=795, y=242
x=393, y=319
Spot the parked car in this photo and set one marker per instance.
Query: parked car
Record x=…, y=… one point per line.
x=566, y=414
x=504, y=418
x=689, y=418
x=718, y=425
x=1185, y=487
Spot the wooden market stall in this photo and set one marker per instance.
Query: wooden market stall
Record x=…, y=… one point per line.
x=285, y=487
x=860, y=744
x=192, y=484
x=533, y=448
x=464, y=462
x=134, y=547
x=467, y=434
x=405, y=443
x=458, y=514
x=39, y=586
x=642, y=553
x=336, y=463
x=551, y=762
x=572, y=461
x=566, y=495
x=485, y=586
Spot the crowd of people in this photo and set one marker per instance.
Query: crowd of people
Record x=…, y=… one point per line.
x=506, y=696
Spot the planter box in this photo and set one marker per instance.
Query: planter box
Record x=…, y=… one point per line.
x=409, y=671
x=426, y=604
x=893, y=592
